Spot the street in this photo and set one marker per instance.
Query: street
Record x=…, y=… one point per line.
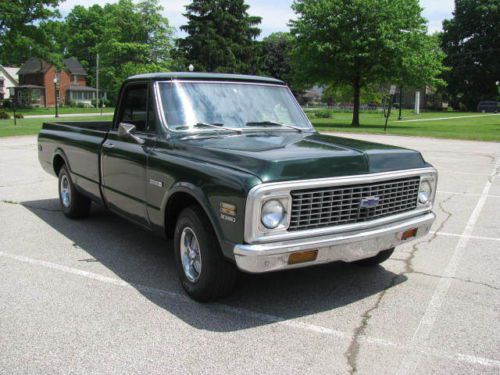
x=101, y=295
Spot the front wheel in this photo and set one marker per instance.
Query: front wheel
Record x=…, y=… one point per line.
x=74, y=204
x=203, y=271
x=377, y=259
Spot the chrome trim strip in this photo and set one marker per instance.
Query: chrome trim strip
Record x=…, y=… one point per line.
x=346, y=247
x=267, y=190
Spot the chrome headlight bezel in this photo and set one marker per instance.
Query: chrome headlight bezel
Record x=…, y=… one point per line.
x=428, y=179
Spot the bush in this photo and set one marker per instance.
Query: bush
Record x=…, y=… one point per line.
x=80, y=105
x=4, y=115
x=323, y=113
x=6, y=103
x=19, y=115
x=102, y=102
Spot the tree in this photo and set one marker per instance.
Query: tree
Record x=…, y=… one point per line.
x=276, y=56
x=19, y=34
x=471, y=40
x=361, y=42
x=136, y=39
x=221, y=37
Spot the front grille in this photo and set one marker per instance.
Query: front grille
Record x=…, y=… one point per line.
x=329, y=206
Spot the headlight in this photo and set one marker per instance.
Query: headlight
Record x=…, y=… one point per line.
x=425, y=192
x=273, y=214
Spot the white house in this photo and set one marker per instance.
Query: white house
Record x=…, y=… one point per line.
x=8, y=78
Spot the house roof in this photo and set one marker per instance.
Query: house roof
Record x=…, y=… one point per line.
x=74, y=66
x=10, y=73
x=34, y=65
x=80, y=88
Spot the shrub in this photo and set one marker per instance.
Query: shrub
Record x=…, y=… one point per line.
x=6, y=103
x=323, y=113
x=4, y=115
x=19, y=115
x=80, y=105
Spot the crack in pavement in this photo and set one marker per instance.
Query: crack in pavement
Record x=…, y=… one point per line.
x=470, y=281
x=352, y=352
x=6, y=201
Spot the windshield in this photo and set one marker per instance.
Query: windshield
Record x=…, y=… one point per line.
x=189, y=105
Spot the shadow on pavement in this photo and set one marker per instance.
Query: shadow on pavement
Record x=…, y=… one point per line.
x=141, y=257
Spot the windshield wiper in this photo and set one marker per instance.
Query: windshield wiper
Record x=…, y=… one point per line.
x=274, y=123
x=212, y=125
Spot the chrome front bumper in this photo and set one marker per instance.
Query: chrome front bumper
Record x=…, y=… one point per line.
x=347, y=246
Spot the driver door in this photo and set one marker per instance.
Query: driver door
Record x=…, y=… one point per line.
x=125, y=160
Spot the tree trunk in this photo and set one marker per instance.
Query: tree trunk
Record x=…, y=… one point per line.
x=357, y=94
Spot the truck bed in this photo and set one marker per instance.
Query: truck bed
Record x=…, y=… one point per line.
x=79, y=144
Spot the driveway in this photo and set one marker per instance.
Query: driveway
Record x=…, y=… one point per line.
x=101, y=295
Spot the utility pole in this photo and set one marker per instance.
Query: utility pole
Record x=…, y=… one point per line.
x=97, y=101
x=400, y=117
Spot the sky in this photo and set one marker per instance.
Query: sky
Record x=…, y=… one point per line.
x=275, y=13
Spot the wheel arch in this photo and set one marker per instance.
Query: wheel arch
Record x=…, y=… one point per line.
x=183, y=195
x=58, y=160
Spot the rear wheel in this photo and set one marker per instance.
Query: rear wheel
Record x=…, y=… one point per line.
x=377, y=259
x=73, y=203
x=203, y=271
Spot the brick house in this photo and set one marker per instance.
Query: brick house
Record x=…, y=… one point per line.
x=37, y=88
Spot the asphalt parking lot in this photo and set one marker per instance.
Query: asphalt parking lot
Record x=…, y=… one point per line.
x=101, y=295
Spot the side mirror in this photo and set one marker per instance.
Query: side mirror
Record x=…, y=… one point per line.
x=127, y=131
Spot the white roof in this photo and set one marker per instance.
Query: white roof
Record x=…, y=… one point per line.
x=10, y=73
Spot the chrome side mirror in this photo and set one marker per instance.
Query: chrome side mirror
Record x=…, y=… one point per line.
x=127, y=131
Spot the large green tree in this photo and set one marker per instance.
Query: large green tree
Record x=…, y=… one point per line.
x=471, y=40
x=19, y=33
x=276, y=56
x=362, y=42
x=221, y=37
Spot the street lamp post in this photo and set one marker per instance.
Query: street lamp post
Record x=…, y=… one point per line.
x=12, y=94
x=56, y=96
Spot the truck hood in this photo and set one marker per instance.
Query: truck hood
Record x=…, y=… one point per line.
x=283, y=156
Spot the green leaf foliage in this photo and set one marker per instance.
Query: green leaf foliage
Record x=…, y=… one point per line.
x=19, y=33
x=221, y=37
x=471, y=40
x=362, y=42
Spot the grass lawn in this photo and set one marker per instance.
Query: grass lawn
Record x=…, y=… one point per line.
x=459, y=127
x=32, y=125
x=62, y=110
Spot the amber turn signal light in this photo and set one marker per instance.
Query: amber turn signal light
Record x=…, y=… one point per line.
x=409, y=234
x=303, y=256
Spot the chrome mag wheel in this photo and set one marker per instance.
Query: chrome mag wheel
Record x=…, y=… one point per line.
x=190, y=254
x=65, y=191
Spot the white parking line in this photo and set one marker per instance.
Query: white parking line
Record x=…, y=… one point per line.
x=463, y=235
x=445, y=118
x=426, y=324
x=486, y=362
x=464, y=193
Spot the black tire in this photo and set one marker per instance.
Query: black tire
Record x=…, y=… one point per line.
x=376, y=260
x=217, y=276
x=75, y=205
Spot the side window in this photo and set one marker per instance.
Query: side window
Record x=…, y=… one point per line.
x=134, y=106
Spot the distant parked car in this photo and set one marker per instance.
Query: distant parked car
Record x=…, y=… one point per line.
x=488, y=106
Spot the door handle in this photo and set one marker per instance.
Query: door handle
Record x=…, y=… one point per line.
x=108, y=145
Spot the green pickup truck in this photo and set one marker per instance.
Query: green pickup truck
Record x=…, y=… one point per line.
x=231, y=169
